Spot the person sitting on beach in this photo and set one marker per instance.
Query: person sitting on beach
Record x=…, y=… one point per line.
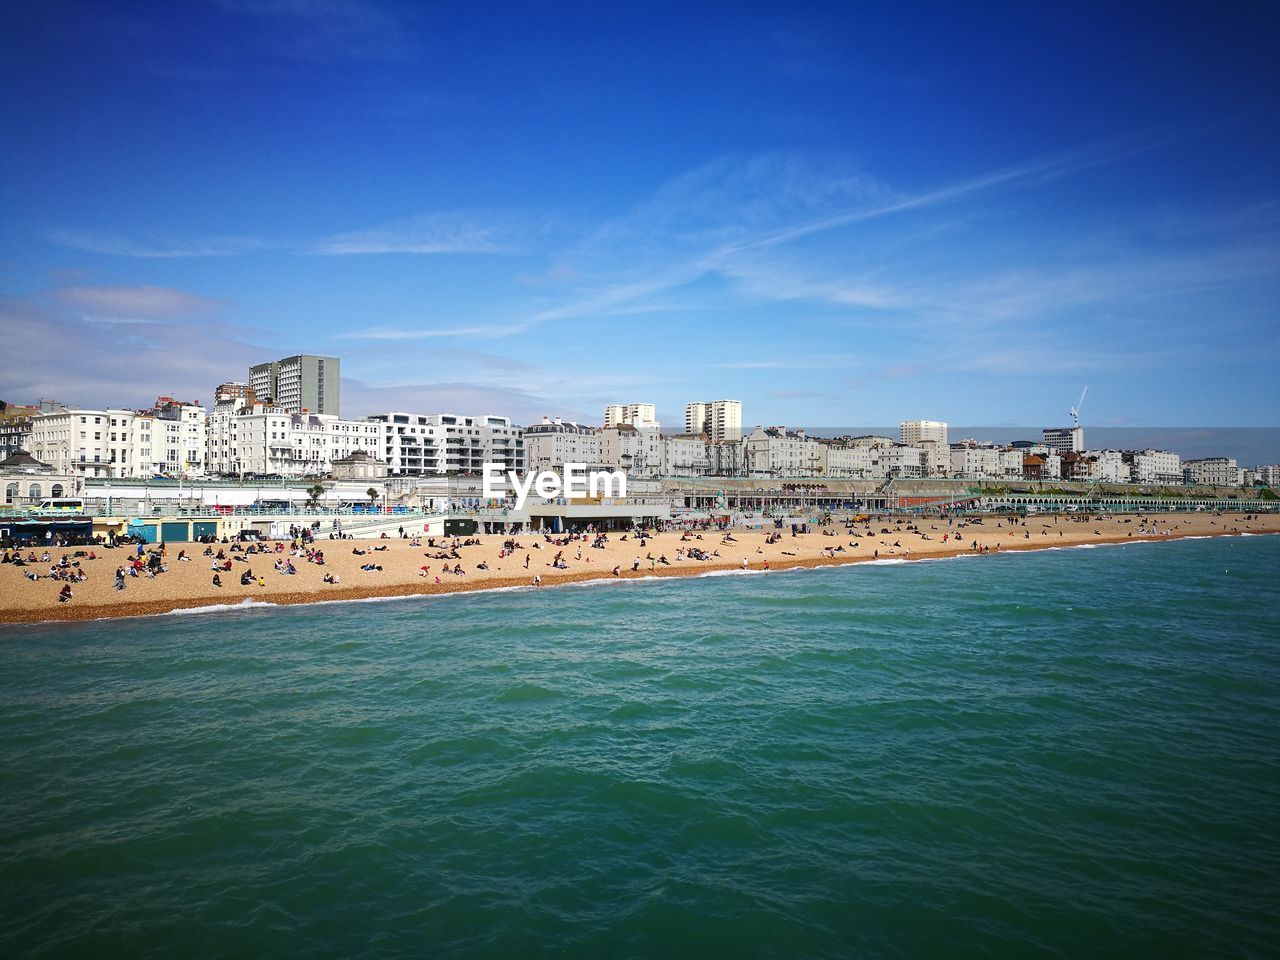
x=482, y=565
x=662, y=559
x=65, y=594
x=182, y=557
x=217, y=580
x=635, y=564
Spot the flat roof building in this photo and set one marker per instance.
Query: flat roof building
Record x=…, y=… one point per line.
x=302, y=383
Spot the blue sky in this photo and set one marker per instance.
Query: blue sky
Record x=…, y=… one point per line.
x=839, y=216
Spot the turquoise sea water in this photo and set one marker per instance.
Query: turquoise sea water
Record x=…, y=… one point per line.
x=1072, y=753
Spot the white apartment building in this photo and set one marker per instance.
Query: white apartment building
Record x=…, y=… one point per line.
x=172, y=447
x=937, y=457
x=685, y=455
x=636, y=451
x=266, y=441
x=779, y=452
x=994, y=462
x=1109, y=466
x=1269, y=474
x=1210, y=471
x=975, y=462
x=719, y=420
x=85, y=443
x=551, y=444
x=1155, y=466
x=418, y=445
x=912, y=432
x=859, y=462
x=905, y=461
x=634, y=414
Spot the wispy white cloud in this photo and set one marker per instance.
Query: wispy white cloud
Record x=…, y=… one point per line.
x=433, y=333
x=134, y=302
x=94, y=241
x=446, y=232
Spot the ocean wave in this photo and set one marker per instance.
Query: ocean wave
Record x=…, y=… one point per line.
x=245, y=604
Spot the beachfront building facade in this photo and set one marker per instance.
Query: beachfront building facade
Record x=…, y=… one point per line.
x=85, y=442
x=416, y=445
x=1212, y=472
x=632, y=414
x=551, y=444
x=779, y=452
x=636, y=451
x=265, y=441
x=1154, y=466
x=685, y=455
x=855, y=461
x=719, y=420
x=987, y=461
x=305, y=383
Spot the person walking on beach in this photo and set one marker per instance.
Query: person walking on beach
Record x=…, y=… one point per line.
x=119, y=578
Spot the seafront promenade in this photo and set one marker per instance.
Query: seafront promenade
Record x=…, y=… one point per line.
x=392, y=567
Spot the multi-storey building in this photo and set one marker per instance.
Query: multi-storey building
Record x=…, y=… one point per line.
x=1212, y=471
x=840, y=459
x=418, y=445
x=912, y=432
x=1109, y=466
x=1268, y=474
x=975, y=461
x=637, y=451
x=634, y=414
x=85, y=443
x=551, y=444
x=685, y=455
x=266, y=441
x=302, y=383
x=719, y=420
x=235, y=392
x=15, y=427
x=1064, y=439
x=779, y=452
x=1154, y=466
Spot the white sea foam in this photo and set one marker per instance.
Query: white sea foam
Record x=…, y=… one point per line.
x=245, y=604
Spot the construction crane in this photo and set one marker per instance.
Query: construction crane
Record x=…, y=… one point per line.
x=1075, y=411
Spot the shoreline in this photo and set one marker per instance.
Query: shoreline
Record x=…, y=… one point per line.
x=216, y=603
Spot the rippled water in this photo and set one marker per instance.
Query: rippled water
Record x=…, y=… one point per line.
x=1071, y=753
